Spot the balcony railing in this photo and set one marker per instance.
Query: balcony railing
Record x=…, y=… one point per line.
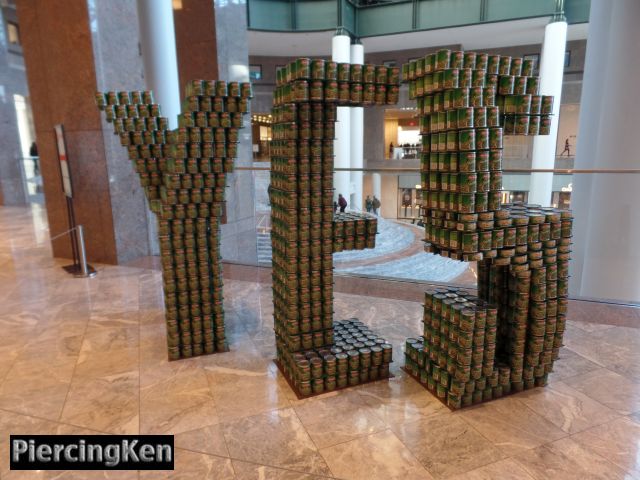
x=365, y=18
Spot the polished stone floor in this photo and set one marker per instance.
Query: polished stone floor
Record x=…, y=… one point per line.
x=88, y=356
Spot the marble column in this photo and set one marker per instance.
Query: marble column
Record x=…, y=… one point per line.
x=606, y=258
x=554, y=46
x=70, y=53
x=12, y=80
x=374, y=148
x=195, y=41
x=239, y=238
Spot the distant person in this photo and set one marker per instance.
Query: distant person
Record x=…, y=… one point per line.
x=567, y=148
x=376, y=204
x=33, y=153
x=391, y=150
x=335, y=207
x=406, y=200
x=342, y=202
x=368, y=203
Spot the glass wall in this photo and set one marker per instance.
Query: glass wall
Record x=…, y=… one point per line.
x=399, y=253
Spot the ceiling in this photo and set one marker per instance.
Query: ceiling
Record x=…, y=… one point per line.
x=485, y=35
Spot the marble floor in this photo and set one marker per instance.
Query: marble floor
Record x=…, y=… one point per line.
x=88, y=356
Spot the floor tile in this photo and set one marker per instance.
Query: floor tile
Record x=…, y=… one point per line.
x=268, y=390
x=337, y=417
x=567, y=460
x=275, y=438
x=511, y=426
x=446, y=445
x=179, y=402
x=191, y=466
x=610, y=389
x=617, y=441
x=566, y=408
x=252, y=471
x=108, y=404
x=507, y=469
x=380, y=455
x=209, y=440
x=570, y=364
x=400, y=399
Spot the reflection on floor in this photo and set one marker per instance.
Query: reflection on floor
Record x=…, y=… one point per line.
x=89, y=356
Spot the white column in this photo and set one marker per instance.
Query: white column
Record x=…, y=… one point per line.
x=544, y=146
x=341, y=53
x=357, y=138
x=606, y=257
x=158, y=43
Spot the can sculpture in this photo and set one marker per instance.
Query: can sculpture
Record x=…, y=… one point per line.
x=183, y=173
x=315, y=354
x=504, y=339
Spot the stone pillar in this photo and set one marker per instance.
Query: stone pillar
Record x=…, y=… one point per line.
x=341, y=53
x=12, y=81
x=606, y=258
x=158, y=45
x=70, y=53
x=551, y=75
x=374, y=148
x=239, y=237
x=195, y=41
x=357, y=137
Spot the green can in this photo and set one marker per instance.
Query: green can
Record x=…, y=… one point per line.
x=465, y=117
x=495, y=138
x=506, y=85
x=467, y=139
x=482, y=139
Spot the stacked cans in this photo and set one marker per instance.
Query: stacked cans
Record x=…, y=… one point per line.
x=336, y=83
x=183, y=172
x=506, y=339
x=357, y=356
x=456, y=357
x=467, y=102
x=354, y=231
x=304, y=231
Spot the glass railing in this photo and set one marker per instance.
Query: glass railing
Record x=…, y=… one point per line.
x=399, y=252
x=364, y=18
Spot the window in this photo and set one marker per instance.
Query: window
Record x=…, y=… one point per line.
x=13, y=32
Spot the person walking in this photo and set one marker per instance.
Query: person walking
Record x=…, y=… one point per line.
x=368, y=203
x=335, y=207
x=33, y=153
x=376, y=204
x=567, y=148
x=342, y=202
x=391, y=150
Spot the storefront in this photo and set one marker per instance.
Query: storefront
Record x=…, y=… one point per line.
x=261, y=132
x=409, y=197
x=401, y=133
